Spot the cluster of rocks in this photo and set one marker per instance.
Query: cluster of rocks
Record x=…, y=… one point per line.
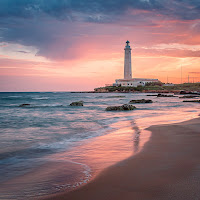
x=161, y=95
x=141, y=101
x=120, y=108
x=152, y=95
x=77, y=103
x=189, y=92
x=127, y=106
x=166, y=95
x=116, y=96
x=198, y=101
x=189, y=96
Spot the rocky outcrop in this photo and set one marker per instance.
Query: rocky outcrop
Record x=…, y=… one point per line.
x=165, y=95
x=116, y=96
x=120, y=108
x=189, y=92
x=141, y=101
x=189, y=96
x=77, y=103
x=161, y=95
x=24, y=105
x=197, y=101
x=101, y=90
x=152, y=95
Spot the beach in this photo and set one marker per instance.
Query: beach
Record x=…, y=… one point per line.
x=168, y=167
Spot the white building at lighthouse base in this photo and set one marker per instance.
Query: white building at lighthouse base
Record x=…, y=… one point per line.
x=134, y=82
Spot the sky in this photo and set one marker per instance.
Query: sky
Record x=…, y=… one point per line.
x=77, y=45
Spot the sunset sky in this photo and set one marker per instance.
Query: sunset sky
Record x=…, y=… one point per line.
x=74, y=45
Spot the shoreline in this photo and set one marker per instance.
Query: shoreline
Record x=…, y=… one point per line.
x=138, y=92
x=168, y=167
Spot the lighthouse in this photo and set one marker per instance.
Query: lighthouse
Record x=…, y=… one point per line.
x=127, y=62
x=128, y=81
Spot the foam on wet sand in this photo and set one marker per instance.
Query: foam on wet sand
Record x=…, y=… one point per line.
x=168, y=167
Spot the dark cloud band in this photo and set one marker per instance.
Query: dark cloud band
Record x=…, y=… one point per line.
x=63, y=9
x=54, y=26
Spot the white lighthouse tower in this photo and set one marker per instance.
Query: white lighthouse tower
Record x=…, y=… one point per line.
x=127, y=62
x=128, y=81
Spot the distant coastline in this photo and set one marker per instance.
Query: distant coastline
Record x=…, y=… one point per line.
x=149, y=88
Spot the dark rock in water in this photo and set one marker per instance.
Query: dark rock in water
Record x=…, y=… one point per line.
x=189, y=96
x=120, y=108
x=141, y=101
x=77, y=103
x=152, y=95
x=161, y=95
x=24, y=105
x=165, y=95
x=197, y=101
x=183, y=92
x=116, y=96
x=189, y=92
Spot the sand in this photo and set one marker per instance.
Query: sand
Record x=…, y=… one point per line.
x=167, y=168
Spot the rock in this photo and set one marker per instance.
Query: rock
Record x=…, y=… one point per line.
x=152, y=95
x=165, y=95
x=198, y=101
x=189, y=92
x=161, y=95
x=120, y=108
x=189, y=96
x=116, y=96
x=141, y=101
x=77, y=103
x=24, y=105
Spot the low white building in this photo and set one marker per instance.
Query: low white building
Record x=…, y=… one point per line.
x=128, y=81
x=134, y=82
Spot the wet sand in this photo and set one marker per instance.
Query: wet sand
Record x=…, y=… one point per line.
x=167, y=168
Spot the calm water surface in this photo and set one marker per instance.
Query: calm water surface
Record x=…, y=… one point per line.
x=49, y=146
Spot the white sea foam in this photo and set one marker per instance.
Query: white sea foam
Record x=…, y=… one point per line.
x=41, y=98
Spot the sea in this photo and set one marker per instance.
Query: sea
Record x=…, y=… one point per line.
x=49, y=147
